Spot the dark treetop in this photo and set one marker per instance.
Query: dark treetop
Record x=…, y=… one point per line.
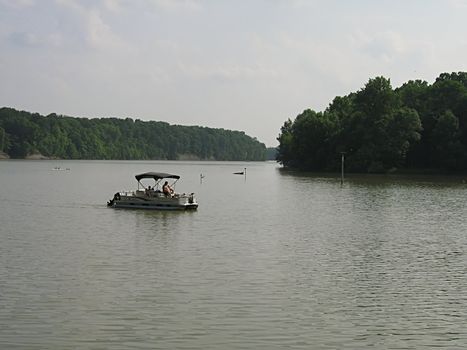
x=416, y=126
x=55, y=136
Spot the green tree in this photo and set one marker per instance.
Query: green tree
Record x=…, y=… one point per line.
x=285, y=151
x=372, y=126
x=112, y=138
x=449, y=152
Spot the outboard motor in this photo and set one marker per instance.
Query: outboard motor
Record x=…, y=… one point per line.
x=111, y=202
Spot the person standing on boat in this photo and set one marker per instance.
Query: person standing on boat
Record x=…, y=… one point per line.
x=168, y=191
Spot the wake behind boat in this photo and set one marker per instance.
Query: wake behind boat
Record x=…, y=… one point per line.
x=161, y=196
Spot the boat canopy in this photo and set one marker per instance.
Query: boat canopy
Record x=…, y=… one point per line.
x=156, y=176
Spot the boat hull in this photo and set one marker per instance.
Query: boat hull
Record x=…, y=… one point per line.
x=158, y=203
x=153, y=206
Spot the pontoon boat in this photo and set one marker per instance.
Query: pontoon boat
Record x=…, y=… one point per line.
x=155, y=197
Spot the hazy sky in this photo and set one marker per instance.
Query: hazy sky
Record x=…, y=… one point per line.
x=238, y=64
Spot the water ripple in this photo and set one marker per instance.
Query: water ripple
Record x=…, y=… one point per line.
x=277, y=261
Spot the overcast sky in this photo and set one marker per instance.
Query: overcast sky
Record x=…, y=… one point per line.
x=240, y=64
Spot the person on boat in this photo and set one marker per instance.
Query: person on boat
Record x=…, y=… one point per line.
x=168, y=191
x=148, y=191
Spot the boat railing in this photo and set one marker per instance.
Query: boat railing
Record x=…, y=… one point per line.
x=127, y=193
x=152, y=193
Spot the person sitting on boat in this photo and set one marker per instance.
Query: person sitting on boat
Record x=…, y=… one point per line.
x=148, y=191
x=168, y=191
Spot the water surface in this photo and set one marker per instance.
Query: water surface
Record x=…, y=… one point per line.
x=272, y=261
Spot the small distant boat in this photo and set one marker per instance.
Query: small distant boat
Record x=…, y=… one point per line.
x=241, y=172
x=57, y=168
x=154, y=197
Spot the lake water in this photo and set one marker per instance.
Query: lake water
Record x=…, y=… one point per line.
x=272, y=260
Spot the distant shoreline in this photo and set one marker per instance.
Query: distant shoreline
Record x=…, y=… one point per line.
x=33, y=136
x=37, y=157
x=397, y=172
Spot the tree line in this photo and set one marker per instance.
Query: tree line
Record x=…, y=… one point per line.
x=57, y=136
x=416, y=126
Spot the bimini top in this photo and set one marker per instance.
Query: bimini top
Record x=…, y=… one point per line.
x=156, y=176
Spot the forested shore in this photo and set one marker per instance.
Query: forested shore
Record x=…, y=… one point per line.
x=24, y=134
x=417, y=126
